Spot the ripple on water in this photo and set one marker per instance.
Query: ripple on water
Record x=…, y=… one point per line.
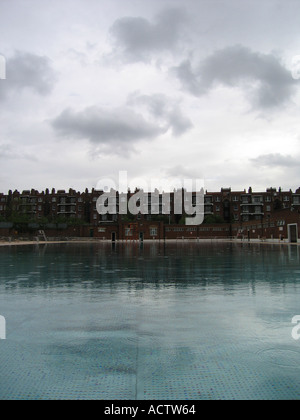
x=286, y=358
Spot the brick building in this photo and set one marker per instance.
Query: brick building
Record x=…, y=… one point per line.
x=235, y=206
x=247, y=213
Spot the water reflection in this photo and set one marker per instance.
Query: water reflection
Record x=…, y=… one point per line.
x=149, y=320
x=154, y=265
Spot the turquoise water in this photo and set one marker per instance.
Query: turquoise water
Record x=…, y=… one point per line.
x=179, y=321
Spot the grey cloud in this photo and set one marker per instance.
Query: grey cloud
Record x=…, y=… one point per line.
x=275, y=159
x=164, y=109
x=119, y=127
x=179, y=122
x=8, y=152
x=266, y=81
x=136, y=38
x=179, y=171
x=189, y=80
x=25, y=70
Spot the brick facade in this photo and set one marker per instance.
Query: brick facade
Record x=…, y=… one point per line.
x=247, y=214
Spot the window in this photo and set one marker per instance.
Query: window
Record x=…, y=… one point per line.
x=102, y=230
x=235, y=207
x=153, y=231
x=217, y=199
x=268, y=208
x=128, y=232
x=217, y=208
x=286, y=198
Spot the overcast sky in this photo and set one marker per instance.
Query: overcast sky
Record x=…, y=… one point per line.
x=158, y=88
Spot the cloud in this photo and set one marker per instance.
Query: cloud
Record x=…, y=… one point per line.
x=165, y=110
x=183, y=172
x=190, y=81
x=275, y=160
x=27, y=71
x=136, y=38
x=7, y=152
x=267, y=83
x=117, y=128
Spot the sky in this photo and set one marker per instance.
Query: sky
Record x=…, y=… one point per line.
x=161, y=89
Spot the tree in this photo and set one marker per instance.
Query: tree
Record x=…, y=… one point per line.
x=213, y=218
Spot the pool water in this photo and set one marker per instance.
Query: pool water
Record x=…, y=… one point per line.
x=158, y=321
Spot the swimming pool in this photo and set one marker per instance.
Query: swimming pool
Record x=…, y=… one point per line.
x=158, y=321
